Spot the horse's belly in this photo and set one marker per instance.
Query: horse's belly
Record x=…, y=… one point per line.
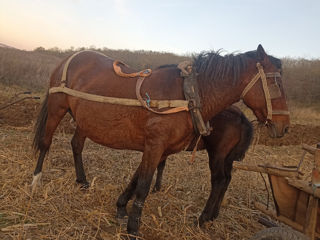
x=115, y=127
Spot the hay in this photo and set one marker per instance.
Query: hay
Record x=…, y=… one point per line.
x=59, y=209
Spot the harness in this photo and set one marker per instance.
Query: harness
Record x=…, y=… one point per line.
x=270, y=92
x=190, y=87
x=176, y=105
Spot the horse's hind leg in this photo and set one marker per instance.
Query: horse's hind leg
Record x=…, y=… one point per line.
x=160, y=168
x=77, y=144
x=49, y=117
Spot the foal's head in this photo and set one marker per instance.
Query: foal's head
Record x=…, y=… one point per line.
x=266, y=97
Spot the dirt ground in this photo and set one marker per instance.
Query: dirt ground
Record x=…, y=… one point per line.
x=61, y=210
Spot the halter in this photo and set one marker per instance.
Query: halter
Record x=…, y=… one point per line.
x=275, y=91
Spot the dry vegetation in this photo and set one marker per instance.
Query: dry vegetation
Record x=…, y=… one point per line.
x=32, y=69
x=60, y=210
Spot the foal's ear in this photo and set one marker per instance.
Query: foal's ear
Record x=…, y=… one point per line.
x=261, y=53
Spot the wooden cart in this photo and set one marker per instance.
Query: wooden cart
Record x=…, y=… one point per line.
x=295, y=200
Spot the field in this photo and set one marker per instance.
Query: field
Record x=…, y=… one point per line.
x=59, y=209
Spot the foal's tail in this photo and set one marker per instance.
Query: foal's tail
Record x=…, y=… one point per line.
x=40, y=126
x=239, y=151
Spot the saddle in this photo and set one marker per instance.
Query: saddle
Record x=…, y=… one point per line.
x=190, y=89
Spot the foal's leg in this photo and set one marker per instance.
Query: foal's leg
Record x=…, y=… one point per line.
x=224, y=186
x=77, y=144
x=220, y=180
x=160, y=169
x=151, y=158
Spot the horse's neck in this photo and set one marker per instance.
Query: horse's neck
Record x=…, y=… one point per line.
x=216, y=99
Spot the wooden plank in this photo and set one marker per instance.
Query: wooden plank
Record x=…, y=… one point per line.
x=280, y=218
x=308, y=148
x=311, y=218
x=304, y=186
x=272, y=171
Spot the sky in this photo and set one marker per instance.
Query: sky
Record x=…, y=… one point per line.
x=285, y=28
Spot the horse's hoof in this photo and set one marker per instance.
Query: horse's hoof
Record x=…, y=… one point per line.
x=36, y=181
x=122, y=221
x=155, y=189
x=201, y=221
x=133, y=235
x=83, y=184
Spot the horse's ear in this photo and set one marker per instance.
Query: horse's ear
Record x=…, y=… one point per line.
x=261, y=53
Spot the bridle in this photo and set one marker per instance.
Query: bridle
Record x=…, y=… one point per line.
x=274, y=93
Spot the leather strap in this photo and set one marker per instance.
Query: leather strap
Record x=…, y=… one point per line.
x=118, y=71
x=263, y=76
x=144, y=103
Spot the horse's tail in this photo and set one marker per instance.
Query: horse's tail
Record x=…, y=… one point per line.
x=40, y=126
x=239, y=151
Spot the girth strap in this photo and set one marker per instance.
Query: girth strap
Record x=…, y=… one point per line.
x=120, y=101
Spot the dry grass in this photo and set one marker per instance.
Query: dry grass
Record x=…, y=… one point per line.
x=32, y=69
x=60, y=210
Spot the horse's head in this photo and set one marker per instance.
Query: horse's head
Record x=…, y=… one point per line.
x=264, y=94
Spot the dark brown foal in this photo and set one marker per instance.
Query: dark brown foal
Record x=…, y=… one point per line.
x=228, y=142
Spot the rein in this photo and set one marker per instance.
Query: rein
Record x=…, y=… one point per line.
x=276, y=91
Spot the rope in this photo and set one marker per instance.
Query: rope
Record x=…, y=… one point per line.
x=195, y=150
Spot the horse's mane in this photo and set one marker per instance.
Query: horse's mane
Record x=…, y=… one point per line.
x=216, y=68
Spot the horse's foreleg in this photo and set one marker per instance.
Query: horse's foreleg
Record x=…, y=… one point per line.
x=150, y=160
x=160, y=169
x=77, y=144
x=126, y=196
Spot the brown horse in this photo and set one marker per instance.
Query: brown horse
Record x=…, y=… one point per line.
x=222, y=81
x=228, y=142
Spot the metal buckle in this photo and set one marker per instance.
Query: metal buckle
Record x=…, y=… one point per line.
x=192, y=104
